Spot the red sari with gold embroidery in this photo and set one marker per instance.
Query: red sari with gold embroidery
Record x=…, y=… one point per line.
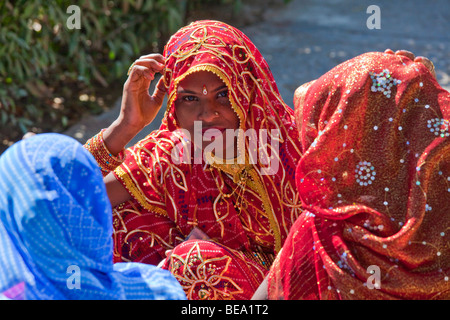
x=374, y=180
x=245, y=210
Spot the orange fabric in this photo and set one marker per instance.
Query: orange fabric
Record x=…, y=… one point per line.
x=375, y=182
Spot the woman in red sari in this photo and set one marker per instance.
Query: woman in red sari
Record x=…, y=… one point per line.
x=235, y=211
x=374, y=180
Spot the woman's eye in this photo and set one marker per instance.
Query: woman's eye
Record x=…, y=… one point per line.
x=223, y=94
x=189, y=98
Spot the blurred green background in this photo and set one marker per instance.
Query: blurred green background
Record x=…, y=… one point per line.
x=50, y=74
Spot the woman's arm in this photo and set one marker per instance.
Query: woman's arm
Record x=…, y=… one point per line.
x=138, y=109
x=117, y=193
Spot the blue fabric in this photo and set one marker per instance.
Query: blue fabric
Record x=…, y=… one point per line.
x=56, y=228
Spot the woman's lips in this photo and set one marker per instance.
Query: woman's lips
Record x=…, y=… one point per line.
x=212, y=132
x=210, y=128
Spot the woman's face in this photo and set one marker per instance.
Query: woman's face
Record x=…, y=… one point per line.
x=203, y=109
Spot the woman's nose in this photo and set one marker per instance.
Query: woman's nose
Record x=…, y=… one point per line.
x=208, y=113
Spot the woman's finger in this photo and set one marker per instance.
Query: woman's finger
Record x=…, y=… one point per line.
x=151, y=64
x=405, y=53
x=137, y=71
x=427, y=63
x=156, y=56
x=153, y=61
x=389, y=51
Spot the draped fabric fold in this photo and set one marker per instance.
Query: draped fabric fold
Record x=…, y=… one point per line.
x=56, y=229
x=247, y=205
x=374, y=180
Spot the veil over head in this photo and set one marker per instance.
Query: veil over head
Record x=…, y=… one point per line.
x=374, y=180
x=56, y=229
x=270, y=159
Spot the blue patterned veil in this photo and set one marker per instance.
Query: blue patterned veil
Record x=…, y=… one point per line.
x=56, y=229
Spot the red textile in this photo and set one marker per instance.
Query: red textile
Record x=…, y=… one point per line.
x=209, y=271
x=375, y=180
x=238, y=206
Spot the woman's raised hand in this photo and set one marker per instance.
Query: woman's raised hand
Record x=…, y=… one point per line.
x=138, y=108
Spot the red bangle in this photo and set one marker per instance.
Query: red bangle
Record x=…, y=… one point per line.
x=106, y=161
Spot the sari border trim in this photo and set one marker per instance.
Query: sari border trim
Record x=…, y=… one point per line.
x=259, y=186
x=135, y=192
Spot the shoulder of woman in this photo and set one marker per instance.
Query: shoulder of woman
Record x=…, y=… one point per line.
x=160, y=146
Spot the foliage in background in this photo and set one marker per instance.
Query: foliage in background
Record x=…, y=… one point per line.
x=50, y=75
x=44, y=65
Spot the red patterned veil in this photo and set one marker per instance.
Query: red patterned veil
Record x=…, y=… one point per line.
x=243, y=208
x=375, y=184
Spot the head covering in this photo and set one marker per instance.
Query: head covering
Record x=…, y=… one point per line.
x=56, y=228
x=225, y=51
x=227, y=201
x=374, y=180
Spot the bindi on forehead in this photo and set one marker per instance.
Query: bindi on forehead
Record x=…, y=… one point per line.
x=202, y=82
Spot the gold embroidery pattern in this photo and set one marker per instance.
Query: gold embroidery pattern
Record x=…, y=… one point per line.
x=235, y=63
x=143, y=236
x=204, y=279
x=266, y=205
x=133, y=188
